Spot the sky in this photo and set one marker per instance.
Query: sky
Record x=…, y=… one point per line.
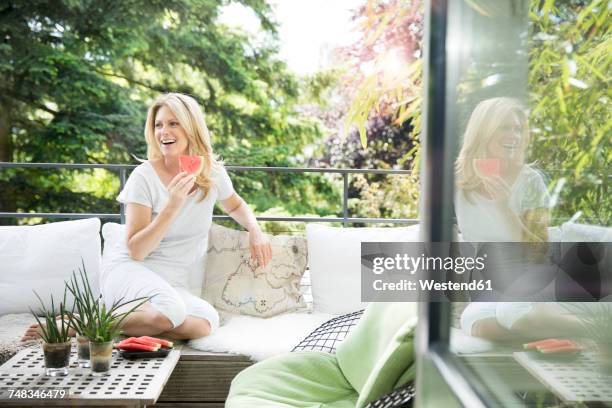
x=308, y=29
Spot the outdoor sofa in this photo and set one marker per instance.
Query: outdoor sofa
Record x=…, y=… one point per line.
x=42, y=257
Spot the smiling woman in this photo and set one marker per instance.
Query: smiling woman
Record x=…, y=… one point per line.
x=499, y=198
x=168, y=216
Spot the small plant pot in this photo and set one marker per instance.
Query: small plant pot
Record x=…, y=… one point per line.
x=57, y=358
x=100, y=357
x=83, y=351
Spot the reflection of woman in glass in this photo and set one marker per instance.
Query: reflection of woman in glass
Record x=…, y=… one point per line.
x=501, y=198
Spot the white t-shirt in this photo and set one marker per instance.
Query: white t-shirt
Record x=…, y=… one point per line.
x=484, y=220
x=180, y=256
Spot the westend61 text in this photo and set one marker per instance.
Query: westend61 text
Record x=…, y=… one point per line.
x=430, y=284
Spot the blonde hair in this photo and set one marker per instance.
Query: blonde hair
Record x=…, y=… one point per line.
x=484, y=121
x=191, y=118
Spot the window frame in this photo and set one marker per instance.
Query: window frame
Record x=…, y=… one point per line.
x=434, y=358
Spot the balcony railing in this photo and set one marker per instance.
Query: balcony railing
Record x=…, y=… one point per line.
x=122, y=169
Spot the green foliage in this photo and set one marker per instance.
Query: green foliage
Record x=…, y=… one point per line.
x=85, y=302
x=385, y=69
x=378, y=127
x=53, y=330
x=594, y=319
x=92, y=318
x=76, y=79
x=106, y=323
x=570, y=57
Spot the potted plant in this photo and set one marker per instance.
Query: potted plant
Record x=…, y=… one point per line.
x=55, y=334
x=84, y=305
x=94, y=321
x=596, y=320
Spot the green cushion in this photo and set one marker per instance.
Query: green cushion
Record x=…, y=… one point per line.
x=378, y=355
x=302, y=379
x=376, y=358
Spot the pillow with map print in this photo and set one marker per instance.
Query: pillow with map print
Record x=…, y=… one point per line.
x=233, y=283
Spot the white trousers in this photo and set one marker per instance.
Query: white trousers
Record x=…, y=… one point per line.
x=506, y=313
x=132, y=279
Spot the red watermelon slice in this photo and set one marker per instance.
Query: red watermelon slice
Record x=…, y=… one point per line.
x=488, y=167
x=191, y=164
x=570, y=348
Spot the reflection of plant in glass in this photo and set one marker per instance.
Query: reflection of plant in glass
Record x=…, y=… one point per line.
x=596, y=319
x=570, y=55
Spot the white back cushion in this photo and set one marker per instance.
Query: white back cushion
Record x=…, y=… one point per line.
x=41, y=258
x=570, y=232
x=334, y=256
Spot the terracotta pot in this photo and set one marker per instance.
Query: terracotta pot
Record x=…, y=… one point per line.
x=100, y=357
x=57, y=358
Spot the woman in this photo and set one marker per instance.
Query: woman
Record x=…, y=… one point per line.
x=501, y=198
x=168, y=216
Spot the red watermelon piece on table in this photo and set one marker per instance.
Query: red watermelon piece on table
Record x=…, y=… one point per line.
x=191, y=164
x=488, y=167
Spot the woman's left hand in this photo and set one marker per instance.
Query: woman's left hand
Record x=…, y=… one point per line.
x=261, y=250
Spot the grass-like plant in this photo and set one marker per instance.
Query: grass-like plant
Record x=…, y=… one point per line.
x=91, y=317
x=596, y=319
x=85, y=301
x=53, y=330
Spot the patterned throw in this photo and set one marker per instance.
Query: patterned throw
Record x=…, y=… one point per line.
x=233, y=283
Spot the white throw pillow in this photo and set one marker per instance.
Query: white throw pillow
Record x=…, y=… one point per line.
x=335, y=263
x=112, y=233
x=42, y=258
x=233, y=284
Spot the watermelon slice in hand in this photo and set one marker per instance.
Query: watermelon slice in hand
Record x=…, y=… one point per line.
x=191, y=164
x=488, y=167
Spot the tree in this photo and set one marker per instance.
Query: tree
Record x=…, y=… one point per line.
x=570, y=57
x=563, y=78
x=378, y=78
x=76, y=77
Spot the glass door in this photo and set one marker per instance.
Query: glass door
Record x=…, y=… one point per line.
x=516, y=158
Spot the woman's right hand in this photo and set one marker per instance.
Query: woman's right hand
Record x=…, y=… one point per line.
x=179, y=188
x=497, y=188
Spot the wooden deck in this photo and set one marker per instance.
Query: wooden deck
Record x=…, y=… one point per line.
x=201, y=379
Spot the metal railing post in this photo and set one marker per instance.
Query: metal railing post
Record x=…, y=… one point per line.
x=122, y=180
x=345, y=199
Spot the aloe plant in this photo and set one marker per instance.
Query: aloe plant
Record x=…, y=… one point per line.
x=84, y=300
x=92, y=318
x=52, y=329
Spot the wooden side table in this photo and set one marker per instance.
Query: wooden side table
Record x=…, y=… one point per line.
x=130, y=383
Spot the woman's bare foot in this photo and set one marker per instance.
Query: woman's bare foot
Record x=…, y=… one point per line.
x=34, y=331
